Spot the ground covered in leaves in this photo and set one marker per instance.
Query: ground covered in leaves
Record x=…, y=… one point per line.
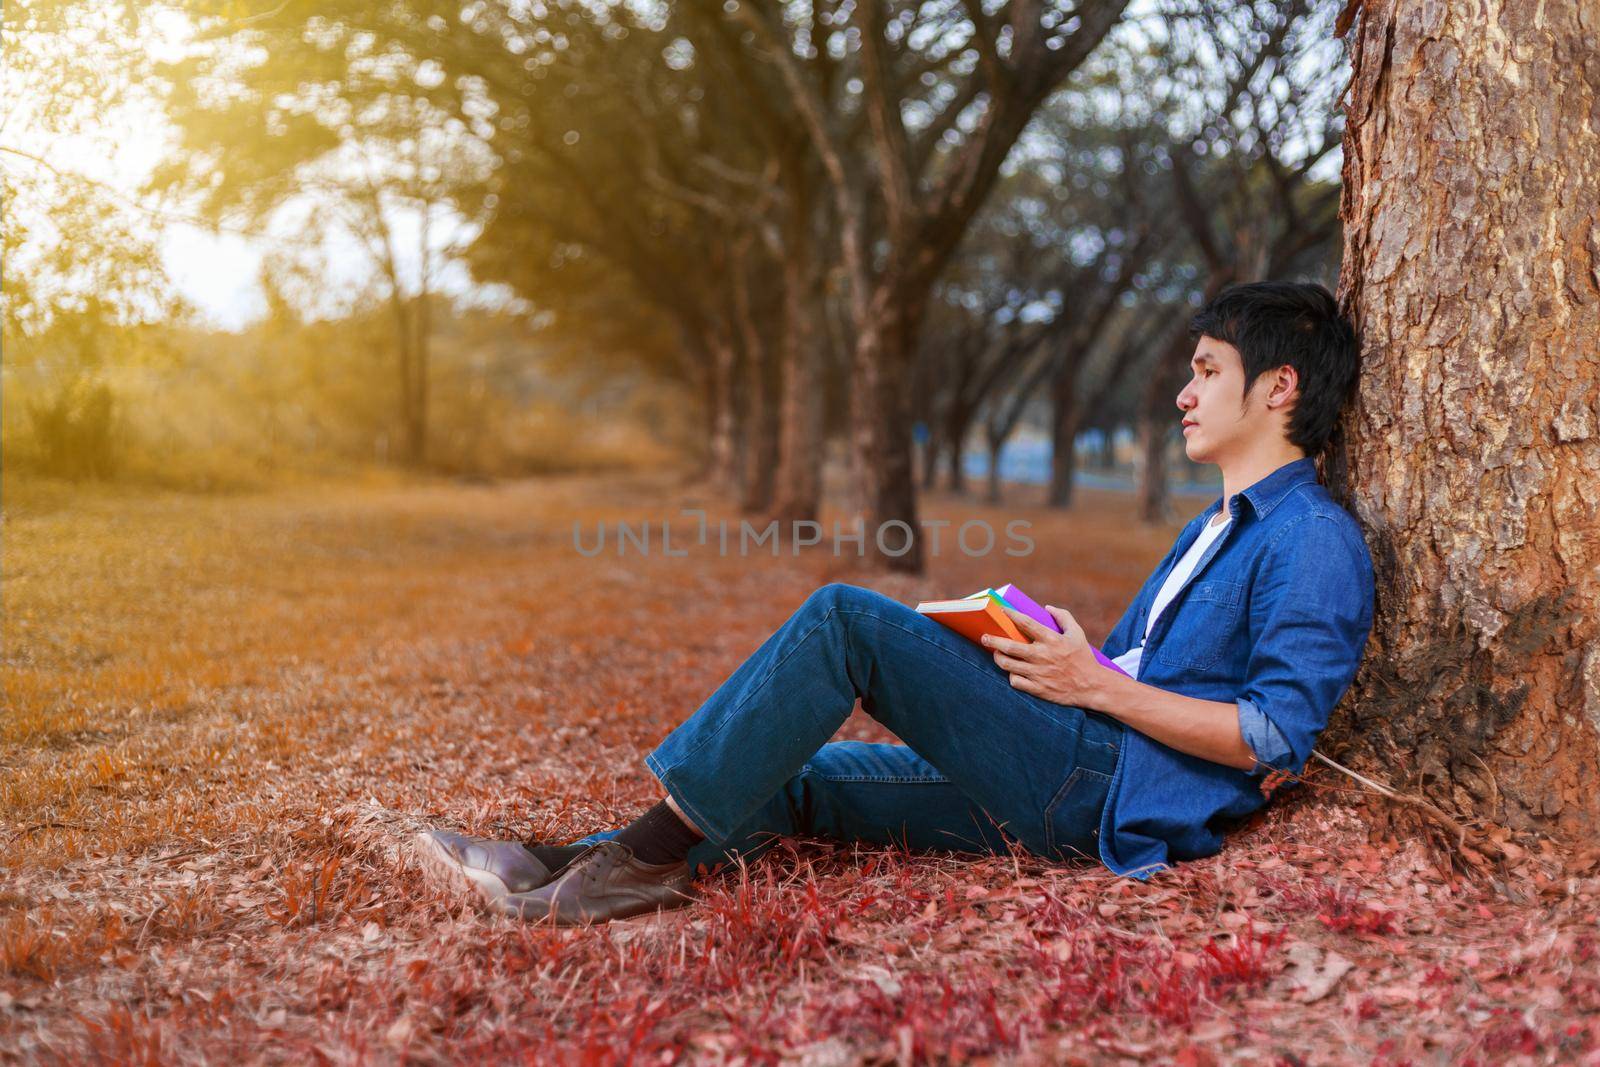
x=223, y=717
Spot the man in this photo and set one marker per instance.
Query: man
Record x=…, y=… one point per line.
x=1239, y=644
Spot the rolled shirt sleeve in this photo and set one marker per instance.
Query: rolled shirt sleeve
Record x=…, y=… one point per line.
x=1271, y=748
x=1311, y=613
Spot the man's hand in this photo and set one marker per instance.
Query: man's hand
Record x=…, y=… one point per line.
x=1056, y=666
x=1061, y=668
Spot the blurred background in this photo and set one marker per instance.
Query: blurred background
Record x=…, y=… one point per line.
x=795, y=251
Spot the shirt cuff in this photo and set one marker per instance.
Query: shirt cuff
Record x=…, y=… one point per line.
x=1271, y=748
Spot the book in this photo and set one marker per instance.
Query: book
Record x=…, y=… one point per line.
x=972, y=617
x=974, y=622
x=1020, y=602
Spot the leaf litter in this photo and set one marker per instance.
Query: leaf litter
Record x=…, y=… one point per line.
x=213, y=761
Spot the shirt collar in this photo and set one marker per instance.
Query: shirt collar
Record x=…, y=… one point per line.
x=1265, y=494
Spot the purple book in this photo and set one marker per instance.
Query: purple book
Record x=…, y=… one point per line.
x=1018, y=601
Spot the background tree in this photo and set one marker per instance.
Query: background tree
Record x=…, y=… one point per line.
x=342, y=131
x=905, y=191
x=1246, y=93
x=85, y=293
x=1472, y=167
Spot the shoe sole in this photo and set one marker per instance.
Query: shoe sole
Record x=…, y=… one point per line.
x=665, y=914
x=660, y=917
x=436, y=859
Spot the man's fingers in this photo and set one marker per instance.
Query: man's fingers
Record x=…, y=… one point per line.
x=1008, y=663
x=1019, y=649
x=1025, y=684
x=1063, y=617
x=1029, y=626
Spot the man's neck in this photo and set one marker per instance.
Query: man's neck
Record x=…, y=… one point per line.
x=1241, y=474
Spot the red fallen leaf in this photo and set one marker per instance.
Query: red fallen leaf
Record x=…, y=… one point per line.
x=1215, y=1030
x=1312, y=973
x=1194, y=1056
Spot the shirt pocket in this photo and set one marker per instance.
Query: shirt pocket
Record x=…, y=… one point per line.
x=1203, y=626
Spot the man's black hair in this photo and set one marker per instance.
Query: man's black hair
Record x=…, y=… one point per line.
x=1294, y=323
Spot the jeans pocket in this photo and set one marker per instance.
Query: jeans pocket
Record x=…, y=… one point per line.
x=1072, y=822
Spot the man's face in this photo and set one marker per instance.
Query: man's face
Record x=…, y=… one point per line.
x=1225, y=422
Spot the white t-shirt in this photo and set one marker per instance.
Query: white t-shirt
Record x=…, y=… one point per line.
x=1129, y=660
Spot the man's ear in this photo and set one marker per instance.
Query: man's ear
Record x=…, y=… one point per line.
x=1286, y=383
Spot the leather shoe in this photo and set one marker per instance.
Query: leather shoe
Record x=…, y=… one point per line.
x=602, y=884
x=496, y=869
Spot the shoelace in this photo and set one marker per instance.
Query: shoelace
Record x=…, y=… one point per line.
x=587, y=863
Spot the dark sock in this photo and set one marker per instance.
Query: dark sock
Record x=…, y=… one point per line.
x=659, y=836
x=555, y=857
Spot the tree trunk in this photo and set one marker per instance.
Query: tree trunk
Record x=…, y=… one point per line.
x=992, y=494
x=931, y=452
x=1063, y=436
x=422, y=321
x=1158, y=413
x=1155, y=502
x=405, y=374
x=759, y=456
x=720, y=416
x=955, y=450
x=1108, y=449
x=1472, y=275
x=757, y=480
x=881, y=435
x=421, y=357
x=799, y=488
x=798, y=494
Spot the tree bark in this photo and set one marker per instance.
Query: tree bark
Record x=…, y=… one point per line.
x=881, y=434
x=1469, y=456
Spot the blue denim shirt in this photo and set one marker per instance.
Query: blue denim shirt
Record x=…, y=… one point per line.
x=1274, y=619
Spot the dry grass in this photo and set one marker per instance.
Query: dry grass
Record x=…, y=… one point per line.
x=224, y=715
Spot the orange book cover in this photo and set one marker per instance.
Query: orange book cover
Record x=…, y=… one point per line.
x=972, y=618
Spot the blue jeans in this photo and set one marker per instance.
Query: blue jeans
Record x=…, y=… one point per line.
x=983, y=764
